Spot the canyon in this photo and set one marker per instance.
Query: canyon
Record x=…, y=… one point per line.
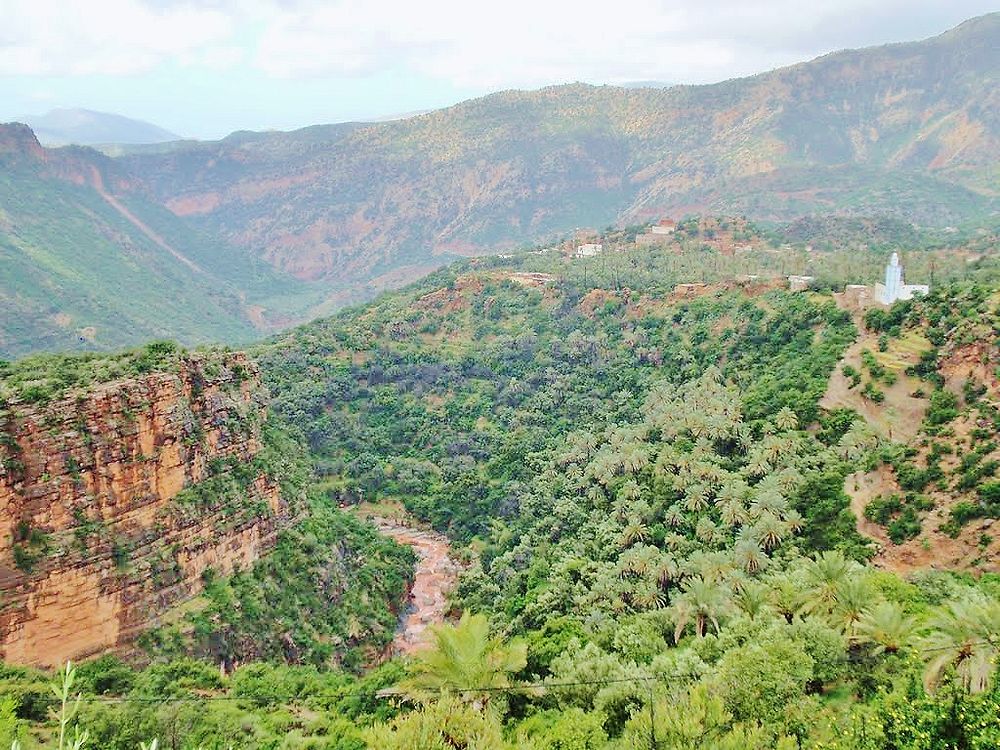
x=102, y=528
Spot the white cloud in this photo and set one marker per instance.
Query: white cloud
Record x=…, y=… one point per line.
x=110, y=37
x=533, y=42
x=513, y=43
x=522, y=42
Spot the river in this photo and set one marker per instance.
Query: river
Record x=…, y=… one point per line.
x=435, y=575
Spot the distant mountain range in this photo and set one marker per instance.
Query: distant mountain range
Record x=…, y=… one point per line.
x=85, y=127
x=288, y=224
x=909, y=130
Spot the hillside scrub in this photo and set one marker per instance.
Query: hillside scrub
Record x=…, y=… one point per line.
x=660, y=550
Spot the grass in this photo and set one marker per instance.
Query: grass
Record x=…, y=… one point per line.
x=903, y=351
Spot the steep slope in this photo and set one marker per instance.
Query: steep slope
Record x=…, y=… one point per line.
x=101, y=523
x=89, y=262
x=923, y=376
x=910, y=130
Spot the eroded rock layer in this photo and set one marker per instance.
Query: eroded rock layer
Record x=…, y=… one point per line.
x=112, y=505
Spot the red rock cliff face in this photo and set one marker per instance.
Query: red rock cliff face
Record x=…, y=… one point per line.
x=95, y=543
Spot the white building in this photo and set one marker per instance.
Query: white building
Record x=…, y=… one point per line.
x=589, y=250
x=666, y=226
x=894, y=288
x=800, y=283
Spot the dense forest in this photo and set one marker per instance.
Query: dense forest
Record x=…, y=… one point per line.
x=649, y=500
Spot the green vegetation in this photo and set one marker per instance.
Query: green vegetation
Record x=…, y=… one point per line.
x=651, y=503
x=961, y=321
x=329, y=593
x=44, y=377
x=79, y=275
x=899, y=515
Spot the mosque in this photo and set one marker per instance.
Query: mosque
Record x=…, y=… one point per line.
x=894, y=289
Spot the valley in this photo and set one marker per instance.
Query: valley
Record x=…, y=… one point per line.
x=633, y=467
x=579, y=418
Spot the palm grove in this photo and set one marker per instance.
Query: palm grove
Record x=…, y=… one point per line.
x=650, y=503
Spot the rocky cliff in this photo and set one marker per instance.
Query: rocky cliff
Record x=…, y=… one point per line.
x=115, y=500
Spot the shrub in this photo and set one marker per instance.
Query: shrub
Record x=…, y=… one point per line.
x=943, y=407
x=873, y=393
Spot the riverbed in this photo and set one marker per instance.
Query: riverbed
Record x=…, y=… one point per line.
x=435, y=576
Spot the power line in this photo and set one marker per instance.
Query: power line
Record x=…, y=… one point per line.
x=393, y=693
x=383, y=693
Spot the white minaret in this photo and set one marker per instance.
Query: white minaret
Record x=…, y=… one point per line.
x=893, y=281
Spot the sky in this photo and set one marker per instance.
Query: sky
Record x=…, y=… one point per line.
x=205, y=68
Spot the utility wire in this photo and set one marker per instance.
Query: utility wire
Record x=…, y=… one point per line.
x=382, y=693
x=393, y=693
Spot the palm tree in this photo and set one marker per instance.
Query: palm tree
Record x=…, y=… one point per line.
x=768, y=501
x=750, y=556
x=786, y=419
x=886, y=627
x=629, y=490
x=788, y=597
x=635, y=531
x=603, y=466
x=674, y=516
x=732, y=512
x=743, y=434
x=856, y=442
x=788, y=479
x=696, y=498
x=794, y=520
x=674, y=540
x=758, y=466
x=464, y=661
x=648, y=596
x=733, y=489
x=666, y=570
x=639, y=561
x=769, y=530
x=581, y=447
x=771, y=448
x=752, y=598
x=705, y=530
x=596, y=495
x=824, y=574
x=965, y=637
x=715, y=565
x=702, y=602
x=633, y=457
x=853, y=595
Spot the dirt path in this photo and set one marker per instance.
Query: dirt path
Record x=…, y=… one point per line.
x=435, y=576
x=862, y=488
x=900, y=415
x=98, y=182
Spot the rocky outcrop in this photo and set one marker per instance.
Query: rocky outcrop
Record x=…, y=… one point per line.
x=102, y=524
x=18, y=140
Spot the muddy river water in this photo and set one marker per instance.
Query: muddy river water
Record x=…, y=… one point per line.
x=436, y=574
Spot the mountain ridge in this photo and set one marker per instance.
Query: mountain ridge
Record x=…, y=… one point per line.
x=90, y=262
x=883, y=130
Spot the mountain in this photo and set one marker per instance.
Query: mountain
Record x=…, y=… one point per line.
x=86, y=127
x=907, y=130
x=645, y=85
x=90, y=263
